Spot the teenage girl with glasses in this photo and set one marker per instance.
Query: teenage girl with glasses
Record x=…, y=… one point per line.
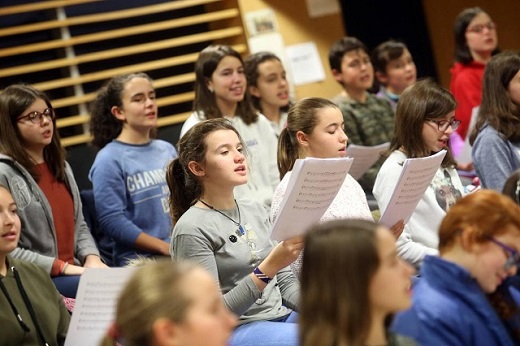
x=425, y=119
x=33, y=167
x=475, y=43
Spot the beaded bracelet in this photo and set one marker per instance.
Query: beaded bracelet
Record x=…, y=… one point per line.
x=259, y=274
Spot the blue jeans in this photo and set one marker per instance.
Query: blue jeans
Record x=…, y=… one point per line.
x=67, y=285
x=280, y=333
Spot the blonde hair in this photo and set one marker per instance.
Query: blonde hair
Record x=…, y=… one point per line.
x=154, y=291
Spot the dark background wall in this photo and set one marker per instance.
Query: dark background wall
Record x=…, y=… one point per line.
x=374, y=22
x=426, y=26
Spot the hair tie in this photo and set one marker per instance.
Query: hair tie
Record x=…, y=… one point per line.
x=113, y=331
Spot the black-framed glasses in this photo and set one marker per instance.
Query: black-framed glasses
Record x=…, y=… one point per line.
x=443, y=125
x=37, y=117
x=513, y=258
x=480, y=27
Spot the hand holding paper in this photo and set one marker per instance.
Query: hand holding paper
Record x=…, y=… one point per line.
x=96, y=302
x=415, y=178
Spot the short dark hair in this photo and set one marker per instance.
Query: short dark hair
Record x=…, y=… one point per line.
x=341, y=47
x=386, y=52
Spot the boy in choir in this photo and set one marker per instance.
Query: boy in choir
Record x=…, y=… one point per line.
x=368, y=120
x=395, y=70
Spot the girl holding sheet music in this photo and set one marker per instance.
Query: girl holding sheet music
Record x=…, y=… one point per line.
x=230, y=237
x=315, y=128
x=425, y=119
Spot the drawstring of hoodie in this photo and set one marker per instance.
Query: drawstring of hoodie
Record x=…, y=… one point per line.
x=27, y=304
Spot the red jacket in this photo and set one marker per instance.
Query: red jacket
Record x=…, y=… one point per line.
x=466, y=86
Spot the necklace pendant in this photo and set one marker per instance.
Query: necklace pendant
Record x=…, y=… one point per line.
x=241, y=229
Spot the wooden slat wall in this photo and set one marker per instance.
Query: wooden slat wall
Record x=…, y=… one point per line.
x=161, y=38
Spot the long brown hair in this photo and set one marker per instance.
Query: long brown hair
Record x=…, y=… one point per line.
x=251, y=64
x=205, y=101
x=335, y=309
x=302, y=117
x=496, y=108
x=14, y=100
x=423, y=100
x=185, y=187
x=104, y=126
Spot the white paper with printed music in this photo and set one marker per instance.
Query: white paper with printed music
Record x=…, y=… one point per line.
x=364, y=157
x=416, y=176
x=95, y=306
x=313, y=186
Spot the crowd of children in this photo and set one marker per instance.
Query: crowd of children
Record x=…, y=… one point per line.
x=203, y=209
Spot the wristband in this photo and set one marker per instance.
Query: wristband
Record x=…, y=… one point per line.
x=258, y=273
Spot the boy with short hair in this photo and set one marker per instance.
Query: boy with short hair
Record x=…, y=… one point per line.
x=395, y=70
x=368, y=120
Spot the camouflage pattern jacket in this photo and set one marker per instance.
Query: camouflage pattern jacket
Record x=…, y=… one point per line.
x=369, y=123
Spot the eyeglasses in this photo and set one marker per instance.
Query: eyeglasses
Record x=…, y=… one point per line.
x=513, y=258
x=443, y=125
x=37, y=117
x=480, y=27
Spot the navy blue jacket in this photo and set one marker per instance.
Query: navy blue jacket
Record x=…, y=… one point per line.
x=450, y=308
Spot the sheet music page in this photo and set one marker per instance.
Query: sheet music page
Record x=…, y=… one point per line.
x=364, y=157
x=416, y=176
x=96, y=302
x=313, y=186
